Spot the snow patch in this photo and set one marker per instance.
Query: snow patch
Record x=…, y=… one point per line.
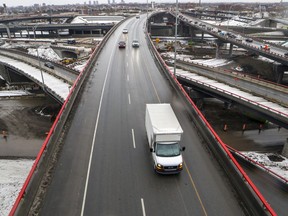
x=13, y=175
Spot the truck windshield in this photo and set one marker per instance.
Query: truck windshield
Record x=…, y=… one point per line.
x=167, y=150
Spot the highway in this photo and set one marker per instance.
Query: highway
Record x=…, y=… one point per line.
x=105, y=167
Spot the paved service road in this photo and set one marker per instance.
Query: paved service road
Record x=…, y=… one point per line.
x=105, y=166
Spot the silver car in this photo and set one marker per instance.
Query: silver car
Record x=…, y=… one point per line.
x=135, y=43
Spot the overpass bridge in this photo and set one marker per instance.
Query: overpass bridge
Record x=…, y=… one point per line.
x=242, y=94
x=55, y=82
x=116, y=86
x=88, y=25
x=224, y=35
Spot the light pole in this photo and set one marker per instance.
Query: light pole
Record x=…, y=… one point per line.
x=229, y=18
x=147, y=23
x=176, y=30
x=40, y=67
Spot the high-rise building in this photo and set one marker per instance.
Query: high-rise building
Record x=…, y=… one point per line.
x=89, y=2
x=109, y=2
x=113, y=1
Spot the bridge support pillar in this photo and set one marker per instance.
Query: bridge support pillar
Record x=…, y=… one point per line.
x=279, y=70
x=230, y=50
x=5, y=73
x=8, y=31
x=217, y=51
x=285, y=149
x=202, y=36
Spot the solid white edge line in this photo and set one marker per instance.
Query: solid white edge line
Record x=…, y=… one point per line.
x=94, y=138
x=129, y=99
x=128, y=77
x=143, y=207
x=133, y=138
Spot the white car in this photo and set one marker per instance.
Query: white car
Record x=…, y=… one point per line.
x=125, y=31
x=135, y=43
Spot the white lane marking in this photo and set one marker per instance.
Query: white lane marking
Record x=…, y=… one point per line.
x=94, y=137
x=133, y=138
x=128, y=77
x=127, y=63
x=143, y=207
x=129, y=99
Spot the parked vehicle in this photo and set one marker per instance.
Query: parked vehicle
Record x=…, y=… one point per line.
x=164, y=134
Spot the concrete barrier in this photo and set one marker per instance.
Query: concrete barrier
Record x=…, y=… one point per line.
x=41, y=171
x=254, y=201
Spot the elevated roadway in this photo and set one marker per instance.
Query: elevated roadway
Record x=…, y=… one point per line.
x=275, y=53
x=105, y=167
x=55, y=82
x=262, y=99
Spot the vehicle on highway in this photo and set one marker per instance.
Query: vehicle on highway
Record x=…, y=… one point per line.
x=122, y=44
x=71, y=41
x=49, y=65
x=286, y=54
x=265, y=47
x=164, y=134
x=250, y=40
x=135, y=43
x=125, y=31
x=137, y=16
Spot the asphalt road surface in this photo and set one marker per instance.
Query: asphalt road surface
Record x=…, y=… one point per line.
x=105, y=168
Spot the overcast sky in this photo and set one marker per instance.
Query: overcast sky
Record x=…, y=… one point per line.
x=12, y=3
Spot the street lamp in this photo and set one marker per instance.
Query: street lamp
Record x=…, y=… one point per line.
x=176, y=30
x=40, y=67
x=229, y=18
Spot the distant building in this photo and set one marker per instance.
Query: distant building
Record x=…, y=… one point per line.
x=109, y=2
x=113, y=1
x=89, y=2
x=122, y=1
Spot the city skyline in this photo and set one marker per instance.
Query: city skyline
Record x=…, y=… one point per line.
x=14, y=3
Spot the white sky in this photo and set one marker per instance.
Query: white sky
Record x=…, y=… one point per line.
x=13, y=3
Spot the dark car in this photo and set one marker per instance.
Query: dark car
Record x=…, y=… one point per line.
x=122, y=44
x=250, y=40
x=49, y=65
x=286, y=54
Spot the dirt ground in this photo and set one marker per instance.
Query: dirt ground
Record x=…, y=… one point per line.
x=24, y=125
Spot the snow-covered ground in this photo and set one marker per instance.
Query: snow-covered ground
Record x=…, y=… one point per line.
x=280, y=168
x=7, y=93
x=13, y=175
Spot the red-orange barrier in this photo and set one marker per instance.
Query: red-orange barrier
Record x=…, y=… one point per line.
x=223, y=145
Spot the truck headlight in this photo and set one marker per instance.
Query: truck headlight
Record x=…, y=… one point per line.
x=180, y=166
x=159, y=166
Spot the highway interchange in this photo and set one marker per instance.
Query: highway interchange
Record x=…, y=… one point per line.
x=105, y=167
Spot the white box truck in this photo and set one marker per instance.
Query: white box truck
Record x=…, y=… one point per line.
x=164, y=134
